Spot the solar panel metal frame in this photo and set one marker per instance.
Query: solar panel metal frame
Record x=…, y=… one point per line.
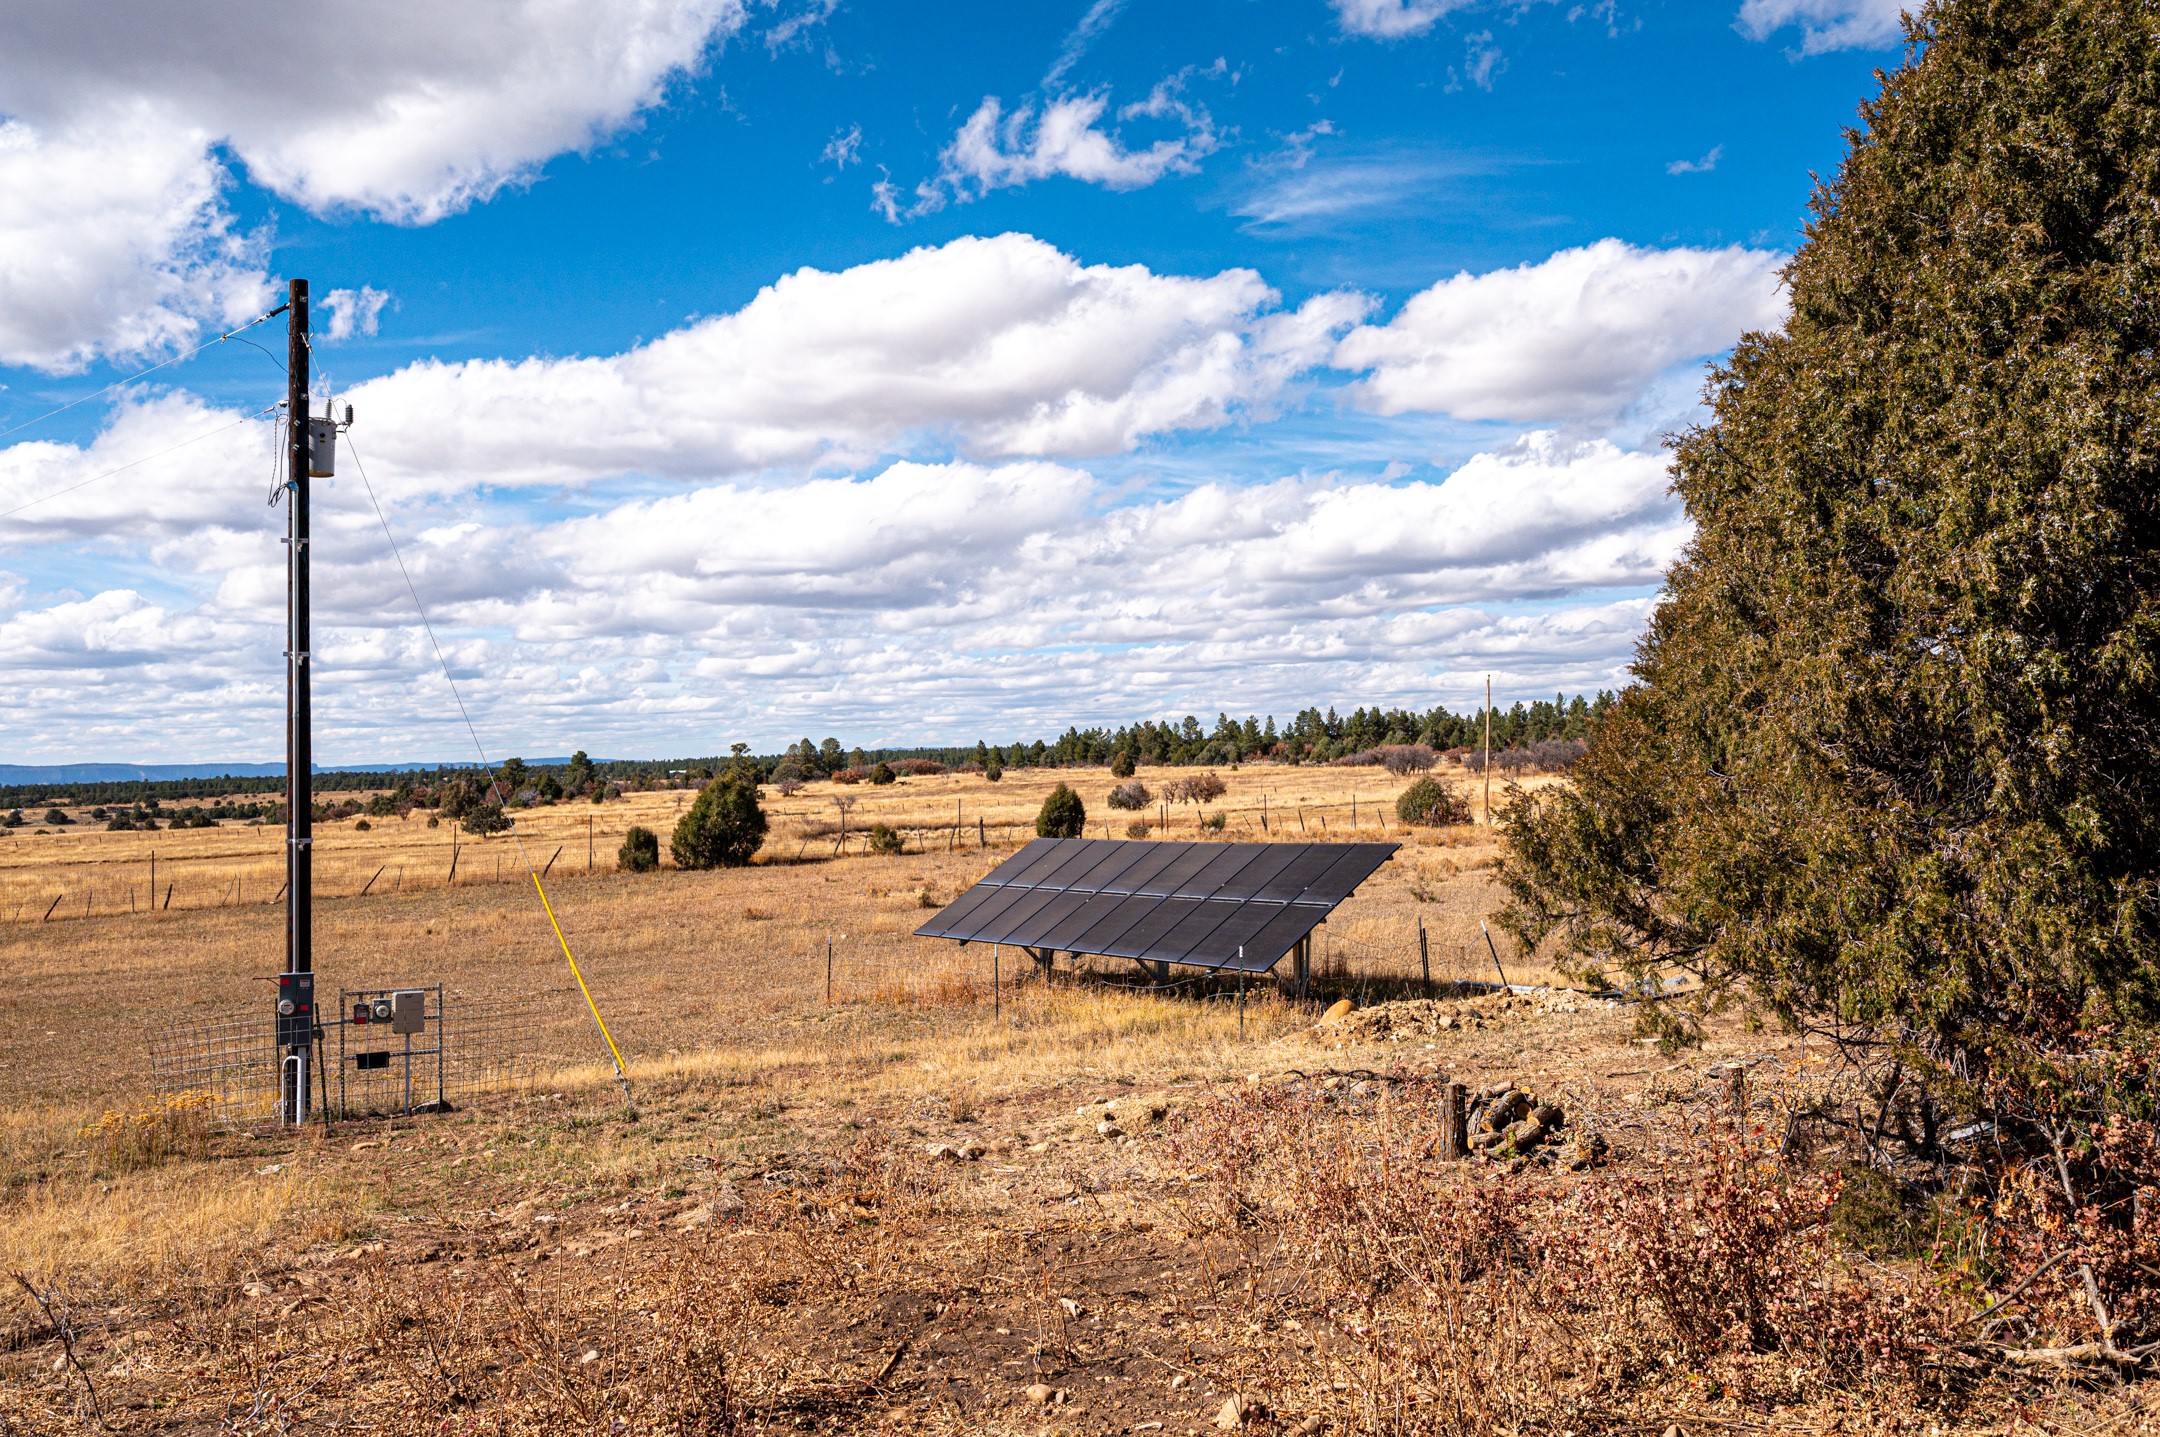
x=1193, y=904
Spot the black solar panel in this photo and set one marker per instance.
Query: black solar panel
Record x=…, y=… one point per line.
x=1152, y=860
x=1191, y=903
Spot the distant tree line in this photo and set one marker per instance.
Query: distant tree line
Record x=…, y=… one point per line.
x=1310, y=737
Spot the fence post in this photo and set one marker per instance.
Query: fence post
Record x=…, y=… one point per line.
x=1424, y=956
x=828, y=972
x=1241, y=993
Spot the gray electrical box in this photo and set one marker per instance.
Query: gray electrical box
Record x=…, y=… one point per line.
x=295, y=1010
x=322, y=448
x=408, y=1010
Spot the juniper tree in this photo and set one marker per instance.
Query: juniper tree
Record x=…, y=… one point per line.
x=1890, y=757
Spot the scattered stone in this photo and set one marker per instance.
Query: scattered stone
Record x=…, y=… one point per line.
x=1180, y=1381
x=1040, y=1394
x=1340, y=1009
x=1310, y=1427
x=1108, y=1129
x=592, y=1354
x=1238, y=1409
x=256, y=1289
x=700, y=1216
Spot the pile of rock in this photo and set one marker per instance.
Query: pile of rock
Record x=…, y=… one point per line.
x=1430, y=1017
x=1114, y=1118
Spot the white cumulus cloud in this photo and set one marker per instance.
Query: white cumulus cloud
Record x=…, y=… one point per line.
x=998, y=346
x=114, y=114
x=354, y=311
x=1391, y=19
x=1829, y=24
x=1577, y=337
x=114, y=239
x=998, y=150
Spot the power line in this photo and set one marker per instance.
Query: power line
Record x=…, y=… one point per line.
x=161, y=364
x=135, y=463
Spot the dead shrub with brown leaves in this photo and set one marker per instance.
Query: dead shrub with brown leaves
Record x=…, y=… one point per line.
x=1469, y=1301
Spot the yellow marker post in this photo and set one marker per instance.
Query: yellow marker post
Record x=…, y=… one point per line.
x=622, y=1074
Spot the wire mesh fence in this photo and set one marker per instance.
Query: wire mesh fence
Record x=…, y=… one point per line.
x=229, y=1063
x=463, y=1048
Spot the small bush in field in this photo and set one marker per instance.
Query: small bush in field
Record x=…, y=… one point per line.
x=1122, y=763
x=1432, y=803
x=788, y=787
x=724, y=827
x=883, y=773
x=886, y=839
x=640, y=852
x=1138, y=828
x=918, y=767
x=1062, y=816
x=994, y=771
x=1214, y=822
x=178, y=1126
x=1196, y=788
x=1130, y=795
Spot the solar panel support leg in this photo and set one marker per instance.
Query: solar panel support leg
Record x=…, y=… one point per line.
x=1301, y=967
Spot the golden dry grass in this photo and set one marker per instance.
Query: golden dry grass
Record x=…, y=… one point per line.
x=463, y=1263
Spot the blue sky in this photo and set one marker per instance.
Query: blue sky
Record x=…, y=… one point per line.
x=734, y=369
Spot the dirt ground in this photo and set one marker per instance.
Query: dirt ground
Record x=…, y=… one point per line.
x=900, y=1211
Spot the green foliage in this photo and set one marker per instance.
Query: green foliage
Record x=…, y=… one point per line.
x=486, y=818
x=1123, y=764
x=886, y=839
x=724, y=827
x=577, y=773
x=883, y=774
x=1062, y=816
x=640, y=851
x=994, y=770
x=1889, y=761
x=1434, y=803
x=55, y=817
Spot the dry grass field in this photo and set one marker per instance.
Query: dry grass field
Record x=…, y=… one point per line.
x=1088, y=1209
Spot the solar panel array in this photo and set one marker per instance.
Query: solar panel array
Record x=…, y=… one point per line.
x=1198, y=904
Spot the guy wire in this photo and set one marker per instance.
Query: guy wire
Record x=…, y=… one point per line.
x=622, y=1073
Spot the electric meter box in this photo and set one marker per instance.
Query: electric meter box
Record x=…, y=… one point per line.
x=322, y=448
x=295, y=1010
x=408, y=1010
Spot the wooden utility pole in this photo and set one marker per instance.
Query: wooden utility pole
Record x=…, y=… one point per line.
x=1488, y=749
x=299, y=723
